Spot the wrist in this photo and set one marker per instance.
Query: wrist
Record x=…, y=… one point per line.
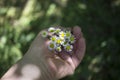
x=39, y=64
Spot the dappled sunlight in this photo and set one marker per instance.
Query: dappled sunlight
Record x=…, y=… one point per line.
x=51, y=9
x=116, y=3
x=30, y=72
x=11, y=12
x=94, y=65
x=23, y=72
x=82, y=6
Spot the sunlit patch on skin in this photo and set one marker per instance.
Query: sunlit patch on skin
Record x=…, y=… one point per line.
x=30, y=72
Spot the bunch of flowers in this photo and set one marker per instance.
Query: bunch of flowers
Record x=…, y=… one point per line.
x=59, y=39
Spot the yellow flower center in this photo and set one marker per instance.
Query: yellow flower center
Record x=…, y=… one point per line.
x=58, y=41
x=52, y=45
x=62, y=34
x=57, y=30
x=68, y=34
x=72, y=38
x=52, y=30
x=53, y=38
x=68, y=47
x=58, y=49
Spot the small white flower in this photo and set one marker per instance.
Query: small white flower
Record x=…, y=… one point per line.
x=65, y=43
x=57, y=30
x=68, y=34
x=44, y=33
x=68, y=48
x=51, y=29
x=52, y=46
x=59, y=41
x=58, y=49
x=53, y=38
x=62, y=34
x=72, y=39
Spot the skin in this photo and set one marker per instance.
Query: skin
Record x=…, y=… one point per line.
x=41, y=64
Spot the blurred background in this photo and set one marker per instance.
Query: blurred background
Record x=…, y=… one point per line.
x=21, y=20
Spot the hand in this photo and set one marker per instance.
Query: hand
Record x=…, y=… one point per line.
x=62, y=64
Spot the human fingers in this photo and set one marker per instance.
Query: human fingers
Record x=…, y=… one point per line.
x=77, y=32
x=79, y=46
x=79, y=53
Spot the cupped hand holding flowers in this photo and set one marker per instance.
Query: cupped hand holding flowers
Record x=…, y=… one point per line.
x=60, y=49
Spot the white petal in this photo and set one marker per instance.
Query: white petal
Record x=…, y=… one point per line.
x=51, y=28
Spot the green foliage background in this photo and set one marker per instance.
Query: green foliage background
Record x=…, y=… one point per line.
x=21, y=20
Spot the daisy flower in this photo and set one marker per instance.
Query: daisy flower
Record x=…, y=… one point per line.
x=59, y=41
x=52, y=45
x=68, y=48
x=53, y=38
x=62, y=34
x=68, y=34
x=51, y=29
x=65, y=43
x=57, y=30
x=58, y=49
x=72, y=39
x=44, y=33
